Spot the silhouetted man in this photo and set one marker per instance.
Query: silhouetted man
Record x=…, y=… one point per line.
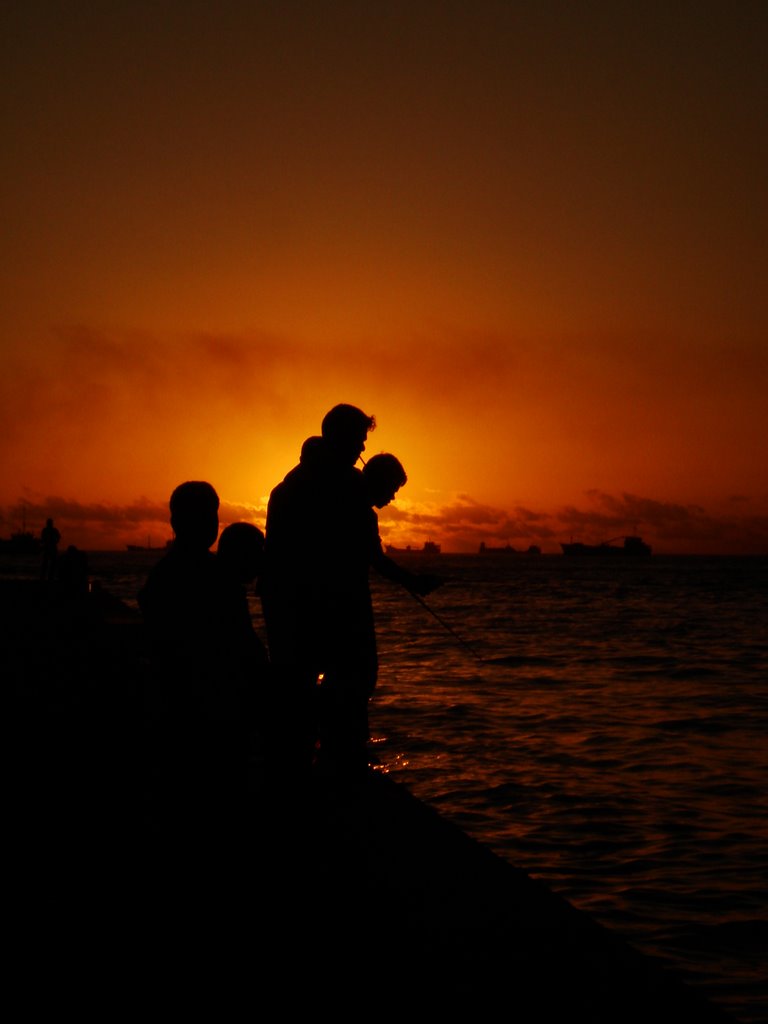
x=310, y=551
x=49, y=538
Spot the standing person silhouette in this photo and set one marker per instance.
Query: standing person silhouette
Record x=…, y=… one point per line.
x=49, y=538
x=312, y=519
x=197, y=725
x=351, y=673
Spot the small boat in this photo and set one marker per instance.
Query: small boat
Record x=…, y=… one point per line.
x=632, y=546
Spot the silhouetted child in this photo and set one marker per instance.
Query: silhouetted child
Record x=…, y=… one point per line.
x=241, y=552
x=240, y=557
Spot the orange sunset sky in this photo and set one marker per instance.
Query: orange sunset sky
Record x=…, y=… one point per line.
x=530, y=238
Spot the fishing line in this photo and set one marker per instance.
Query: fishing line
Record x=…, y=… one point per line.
x=445, y=625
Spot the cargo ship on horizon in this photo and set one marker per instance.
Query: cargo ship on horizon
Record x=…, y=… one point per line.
x=429, y=548
x=631, y=546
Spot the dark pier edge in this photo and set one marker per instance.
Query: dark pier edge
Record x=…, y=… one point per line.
x=353, y=902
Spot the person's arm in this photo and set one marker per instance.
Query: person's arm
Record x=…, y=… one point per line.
x=416, y=583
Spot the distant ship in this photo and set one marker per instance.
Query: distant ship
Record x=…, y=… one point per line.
x=147, y=546
x=507, y=549
x=632, y=546
x=21, y=543
x=429, y=548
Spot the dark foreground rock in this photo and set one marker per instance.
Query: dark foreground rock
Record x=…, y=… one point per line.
x=354, y=901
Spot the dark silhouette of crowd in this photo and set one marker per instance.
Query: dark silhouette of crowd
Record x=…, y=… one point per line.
x=228, y=711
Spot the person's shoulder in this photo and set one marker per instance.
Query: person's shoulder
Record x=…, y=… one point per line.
x=292, y=477
x=281, y=493
x=181, y=564
x=160, y=572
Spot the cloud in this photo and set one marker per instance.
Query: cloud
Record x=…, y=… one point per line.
x=674, y=525
x=464, y=523
x=105, y=525
x=97, y=525
x=460, y=524
x=39, y=509
x=87, y=366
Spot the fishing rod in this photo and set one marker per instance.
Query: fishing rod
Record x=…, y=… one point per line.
x=446, y=625
x=434, y=614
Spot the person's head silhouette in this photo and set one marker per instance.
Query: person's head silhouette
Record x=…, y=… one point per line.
x=241, y=551
x=195, y=514
x=344, y=430
x=383, y=476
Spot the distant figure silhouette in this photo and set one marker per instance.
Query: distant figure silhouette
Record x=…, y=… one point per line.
x=351, y=673
x=49, y=537
x=197, y=722
x=310, y=551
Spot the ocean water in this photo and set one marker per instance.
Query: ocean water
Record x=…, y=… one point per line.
x=602, y=725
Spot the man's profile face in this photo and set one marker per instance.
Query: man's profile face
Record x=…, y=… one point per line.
x=360, y=444
x=354, y=446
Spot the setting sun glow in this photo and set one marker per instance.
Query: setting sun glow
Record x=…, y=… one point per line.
x=530, y=242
